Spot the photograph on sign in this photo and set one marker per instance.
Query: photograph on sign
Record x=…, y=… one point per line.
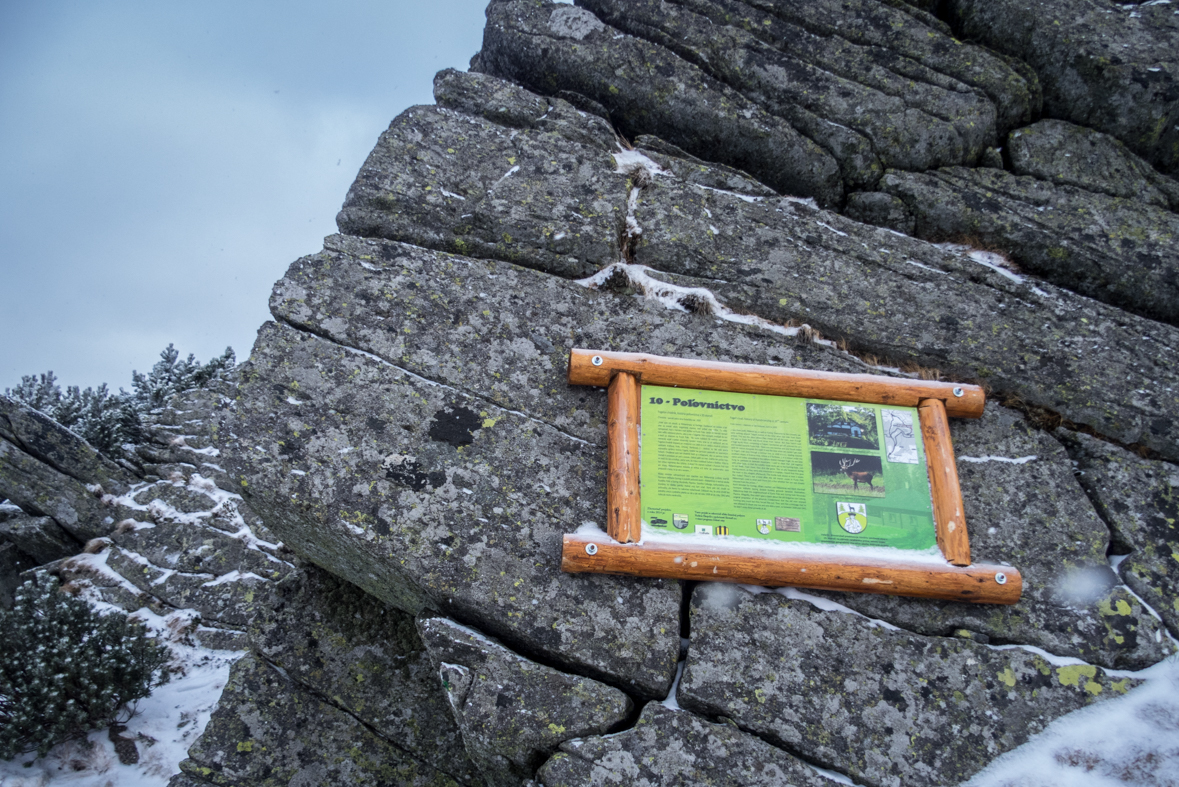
x=782, y=469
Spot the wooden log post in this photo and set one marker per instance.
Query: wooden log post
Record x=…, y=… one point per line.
x=948, y=516
x=977, y=584
x=622, y=479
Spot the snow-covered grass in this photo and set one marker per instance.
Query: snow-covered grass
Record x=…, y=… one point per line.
x=164, y=726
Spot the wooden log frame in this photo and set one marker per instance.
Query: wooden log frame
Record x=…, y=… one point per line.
x=625, y=373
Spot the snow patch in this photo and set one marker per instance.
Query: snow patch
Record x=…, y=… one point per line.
x=1022, y=460
x=670, y=702
x=1125, y=740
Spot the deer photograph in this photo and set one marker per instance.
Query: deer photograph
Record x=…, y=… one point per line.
x=857, y=476
x=846, y=474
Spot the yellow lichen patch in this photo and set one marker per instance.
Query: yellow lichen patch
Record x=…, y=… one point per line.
x=1007, y=676
x=1072, y=674
x=1121, y=608
x=489, y=422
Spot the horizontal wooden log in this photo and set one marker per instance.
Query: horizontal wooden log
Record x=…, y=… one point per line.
x=976, y=584
x=774, y=380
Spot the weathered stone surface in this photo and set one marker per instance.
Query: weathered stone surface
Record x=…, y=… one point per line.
x=676, y=749
x=438, y=498
x=1119, y=251
x=194, y=548
x=881, y=210
x=493, y=338
x=40, y=490
x=342, y=643
x=1025, y=508
x=895, y=34
x=507, y=104
x=268, y=731
x=38, y=537
x=906, y=300
x=463, y=184
x=911, y=116
x=649, y=90
x=1109, y=67
x=887, y=295
x=690, y=169
x=1062, y=152
x=885, y=707
x=514, y=712
x=50, y=442
x=1139, y=499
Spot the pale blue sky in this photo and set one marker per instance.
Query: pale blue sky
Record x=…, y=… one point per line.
x=163, y=163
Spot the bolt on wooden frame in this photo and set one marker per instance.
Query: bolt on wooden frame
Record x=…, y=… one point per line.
x=623, y=374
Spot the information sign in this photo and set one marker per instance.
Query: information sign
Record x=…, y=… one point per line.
x=776, y=468
x=774, y=476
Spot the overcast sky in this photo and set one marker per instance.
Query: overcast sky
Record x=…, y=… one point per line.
x=161, y=164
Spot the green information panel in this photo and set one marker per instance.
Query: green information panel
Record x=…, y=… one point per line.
x=717, y=464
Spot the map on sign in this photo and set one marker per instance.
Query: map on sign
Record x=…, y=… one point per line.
x=717, y=464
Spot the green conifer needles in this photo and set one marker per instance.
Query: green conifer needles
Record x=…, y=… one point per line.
x=65, y=669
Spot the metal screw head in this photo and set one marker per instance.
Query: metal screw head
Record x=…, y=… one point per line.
x=596, y=360
x=959, y=392
x=1001, y=578
x=592, y=549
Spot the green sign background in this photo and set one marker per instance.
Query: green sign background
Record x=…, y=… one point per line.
x=717, y=464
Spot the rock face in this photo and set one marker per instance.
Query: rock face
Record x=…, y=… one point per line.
x=513, y=712
x=376, y=512
x=883, y=706
x=405, y=422
x=1061, y=152
x=1067, y=235
x=673, y=749
x=1109, y=67
x=1137, y=498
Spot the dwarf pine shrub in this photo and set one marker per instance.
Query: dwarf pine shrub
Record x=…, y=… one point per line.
x=106, y=420
x=65, y=669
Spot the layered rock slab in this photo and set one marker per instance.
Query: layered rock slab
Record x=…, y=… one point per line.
x=649, y=90
x=361, y=463
x=1139, y=499
x=341, y=643
x=431, y=497
x=58, y=447
x=1117, y=250
x=1106, y=66
x=267, y=730
x=1024, y=507
x=536, y=190
x=676, y=749
x=885, y=707
x=782, y=259
x=1062, y=152
x=909, y=301
x=512, y=711
x=911, y=116
x=41, y=490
